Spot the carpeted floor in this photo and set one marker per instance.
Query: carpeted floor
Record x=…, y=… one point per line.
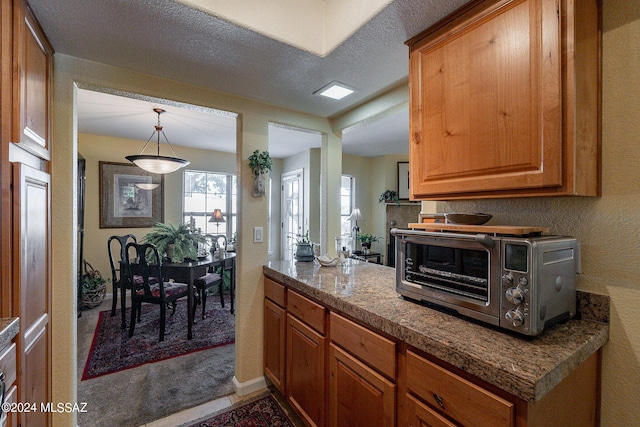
x=151, y=391
x=262, y=412
x=113, y=350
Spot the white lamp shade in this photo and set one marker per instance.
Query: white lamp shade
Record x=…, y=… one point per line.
x=356, y=215
x=158, y=164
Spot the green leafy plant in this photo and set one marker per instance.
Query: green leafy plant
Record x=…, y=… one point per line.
x=367, y=238
x=389, y=196
x=260, y=162
x=301, y=239
x=184, y=240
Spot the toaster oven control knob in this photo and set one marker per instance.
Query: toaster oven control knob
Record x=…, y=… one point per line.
x=507, y=279
x=514, y=317
x=515, y=296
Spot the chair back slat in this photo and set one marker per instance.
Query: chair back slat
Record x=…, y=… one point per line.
x=116, y=246
x=144, y=261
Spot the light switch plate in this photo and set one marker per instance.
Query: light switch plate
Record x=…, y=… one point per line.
x=257, y=235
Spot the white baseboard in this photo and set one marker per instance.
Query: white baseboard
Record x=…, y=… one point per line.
x=248, y=387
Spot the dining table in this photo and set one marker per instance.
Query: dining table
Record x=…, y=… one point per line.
x=188, y=271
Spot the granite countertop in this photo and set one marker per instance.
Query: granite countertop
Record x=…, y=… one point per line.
x=523, y=366
x=9, y=327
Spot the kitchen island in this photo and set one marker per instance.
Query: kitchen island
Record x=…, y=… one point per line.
x=527, y=368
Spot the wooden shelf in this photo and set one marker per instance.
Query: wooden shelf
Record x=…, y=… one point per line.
x=516, y=230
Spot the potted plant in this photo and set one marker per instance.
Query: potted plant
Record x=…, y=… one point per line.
x=304, y=250
x=366, y=240
x=178, y=242
x=389, y=196
x=260, y=163
x=94, y=287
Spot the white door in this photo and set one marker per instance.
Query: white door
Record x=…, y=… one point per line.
x=292, y=211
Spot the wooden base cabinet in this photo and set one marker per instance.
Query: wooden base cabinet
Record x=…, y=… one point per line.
x=504, y=101
x=306, y=351
x=336, y=372
x=275, y=321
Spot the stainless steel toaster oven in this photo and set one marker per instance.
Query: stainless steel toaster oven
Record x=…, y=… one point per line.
x=519, y=283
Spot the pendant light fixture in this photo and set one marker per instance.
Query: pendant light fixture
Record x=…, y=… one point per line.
x=157, y=163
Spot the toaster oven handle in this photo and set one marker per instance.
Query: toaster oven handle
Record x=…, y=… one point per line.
x=482, y=238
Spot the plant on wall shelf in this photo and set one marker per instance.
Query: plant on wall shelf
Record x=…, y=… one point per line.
x=389, y=196
x=260, y=162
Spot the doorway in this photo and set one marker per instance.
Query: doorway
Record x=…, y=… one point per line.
x=109, y=140
x=292, y=210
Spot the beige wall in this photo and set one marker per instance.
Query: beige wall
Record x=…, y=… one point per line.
x=607, y=227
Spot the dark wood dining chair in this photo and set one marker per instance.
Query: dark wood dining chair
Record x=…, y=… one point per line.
x=119, y=275
x=229, y=271
x=144, y=261
x=206, y=282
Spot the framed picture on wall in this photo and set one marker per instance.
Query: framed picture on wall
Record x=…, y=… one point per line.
x=129, y=196
x=403, y=180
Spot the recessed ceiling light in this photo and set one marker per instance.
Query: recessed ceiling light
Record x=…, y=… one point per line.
x=335, y=90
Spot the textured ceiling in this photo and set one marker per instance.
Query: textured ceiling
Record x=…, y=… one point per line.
x=172, y=40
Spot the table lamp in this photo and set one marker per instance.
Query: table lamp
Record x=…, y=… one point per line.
x=356, y=216
x=217, y=218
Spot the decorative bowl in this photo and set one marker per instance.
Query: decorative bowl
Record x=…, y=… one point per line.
x=467, y=219
x=327, y=261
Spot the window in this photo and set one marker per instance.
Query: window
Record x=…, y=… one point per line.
x=346, y=203
x=206, y=191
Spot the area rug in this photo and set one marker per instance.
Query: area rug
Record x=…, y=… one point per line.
x=112, y=350
x=264, y=412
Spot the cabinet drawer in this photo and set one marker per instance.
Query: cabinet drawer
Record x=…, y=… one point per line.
x=8, y=364
x=462, y=401
x=308, y=311
x=375, y=350
x=275, y=292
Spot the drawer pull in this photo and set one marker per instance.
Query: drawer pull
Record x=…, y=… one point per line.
x=438, y=400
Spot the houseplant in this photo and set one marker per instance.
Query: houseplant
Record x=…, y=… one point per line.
x=178, y=242
x=260, y=163
x=94, y=286
x=366, y=240
x=304, y=250
x=389, y=196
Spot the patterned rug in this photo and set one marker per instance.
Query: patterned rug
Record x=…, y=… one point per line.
x=264, y=412
x=112, y=350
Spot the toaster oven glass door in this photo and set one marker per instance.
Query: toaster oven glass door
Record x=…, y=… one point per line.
x=459, y=271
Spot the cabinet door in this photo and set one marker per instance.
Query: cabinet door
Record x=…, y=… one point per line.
x=420, y=415
x=305, y=374
x=274, y=343
x=32, y=90
x=32, y=272
x=358, y=396
x=486, y=101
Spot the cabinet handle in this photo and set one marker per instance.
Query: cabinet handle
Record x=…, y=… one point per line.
x=438, y=400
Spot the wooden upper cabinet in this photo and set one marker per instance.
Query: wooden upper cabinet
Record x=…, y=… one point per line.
x=32, y=85
x=504, y=101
